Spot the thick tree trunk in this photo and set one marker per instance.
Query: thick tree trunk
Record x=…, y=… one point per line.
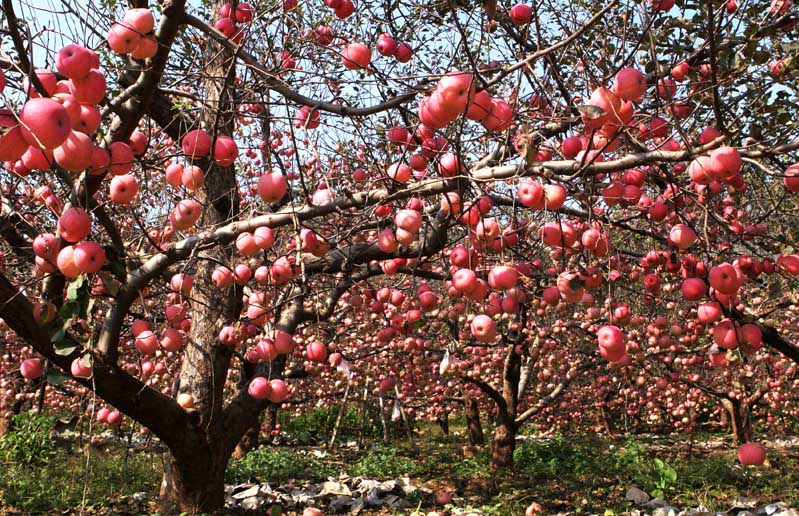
x=474, y=428
x=194, y=486
x=503, y=443
x=739, y=421
x=194, y=478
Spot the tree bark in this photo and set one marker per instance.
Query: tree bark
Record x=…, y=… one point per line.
x=739, y=421
x=474, y=428
x=339, y=417
x=194, y=478
x=443, y=423
x=194, y=486
x=248, y=441
x=503, y=443
x=383, y=418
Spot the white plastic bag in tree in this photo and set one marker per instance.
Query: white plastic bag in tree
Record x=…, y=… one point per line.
x=445, y=364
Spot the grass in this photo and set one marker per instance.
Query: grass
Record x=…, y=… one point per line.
x=38, y=474
x=266, y=464
x=578, y=474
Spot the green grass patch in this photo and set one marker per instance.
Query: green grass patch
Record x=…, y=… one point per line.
x=267, y=464
x=39, y=474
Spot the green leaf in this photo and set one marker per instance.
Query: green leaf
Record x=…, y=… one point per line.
x=118, y=268
x=56, y=377
x=670, y=474
x=68, y=310
x=65, y=349
x=73, y=289
x=60, y=332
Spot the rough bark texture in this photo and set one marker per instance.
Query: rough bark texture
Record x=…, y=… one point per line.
x=249, y=441
x=503, y=443
x=474, y=428
x=739, y=420
x=198, y=483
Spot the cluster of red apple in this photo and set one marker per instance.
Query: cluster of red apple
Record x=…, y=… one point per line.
x=109, y=417
x=230, y=17
x=358, y=56
x=134, y=35
x=275, y=390
x=343, y=8
x=449, y=164
x=456, y=94
x=388, y=46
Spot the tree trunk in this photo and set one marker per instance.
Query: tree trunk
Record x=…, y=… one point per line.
x=195, y=476
x=474, y=428
x=248, y=441
x=339, y=417
x=503, y=443
x=443, y=422
x=607, y=416
x=383, y=419
x=194, y=486
x=740, y=423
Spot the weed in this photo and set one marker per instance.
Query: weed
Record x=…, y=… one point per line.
x=266, y=464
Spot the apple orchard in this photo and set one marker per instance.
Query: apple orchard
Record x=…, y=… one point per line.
x=566, y=213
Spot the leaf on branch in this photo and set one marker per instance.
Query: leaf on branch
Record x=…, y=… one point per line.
x=73, y=288
x=68, y=310
x=60, y=332
x=64, y=349
x=56, y=377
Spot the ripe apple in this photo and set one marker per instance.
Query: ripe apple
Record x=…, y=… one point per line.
x=89, y=257
x=356, y=56
x=45, y=122
x=122, y=38
x=386, y=45
x=75, y=153
x=140, y=19
x=521, y=14
x=196, y=143
x=121, y=158
x=74, y=224
x=73, y=61
x=31, y=368
x=79, y=369
x=123, y=189
x=752, y=454
x=272, y=187
x=12, y=143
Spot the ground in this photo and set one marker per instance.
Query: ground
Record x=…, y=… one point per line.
x=565, y=474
